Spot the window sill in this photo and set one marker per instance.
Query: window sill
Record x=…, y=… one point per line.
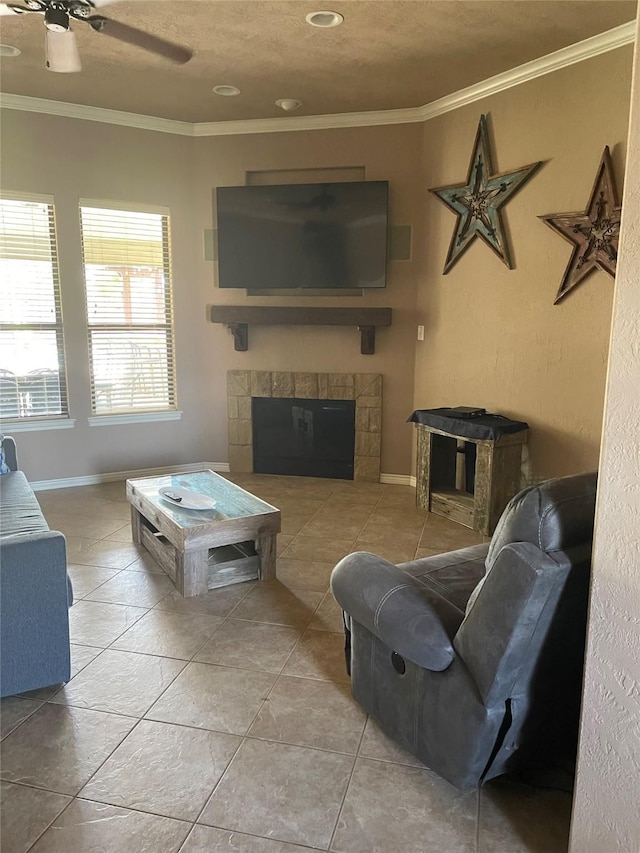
x=28, y=425
x=133, y=418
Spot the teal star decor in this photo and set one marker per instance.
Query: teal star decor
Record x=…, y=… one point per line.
x=477, y=203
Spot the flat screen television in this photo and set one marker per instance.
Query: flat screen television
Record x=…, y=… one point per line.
x=320, y=236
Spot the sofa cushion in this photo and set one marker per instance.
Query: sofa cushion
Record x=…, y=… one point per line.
x=19, y=510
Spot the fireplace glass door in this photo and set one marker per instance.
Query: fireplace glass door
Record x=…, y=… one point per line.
x=304, y=438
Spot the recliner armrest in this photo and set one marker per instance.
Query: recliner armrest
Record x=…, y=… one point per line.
x=515, y=602
x=406, y=617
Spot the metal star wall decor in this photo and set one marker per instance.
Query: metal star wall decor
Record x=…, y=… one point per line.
x=477, y=203
x=594, y=233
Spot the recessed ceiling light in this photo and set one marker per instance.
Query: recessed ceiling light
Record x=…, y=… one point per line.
x=288, y=104
x=324, y=19
x=9, y=50
x=226, y=91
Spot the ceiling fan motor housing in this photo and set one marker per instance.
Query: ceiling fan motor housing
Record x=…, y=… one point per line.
x=56, y=18
x=57, y=12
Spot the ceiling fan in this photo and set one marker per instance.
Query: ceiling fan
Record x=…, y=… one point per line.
x=60, y=41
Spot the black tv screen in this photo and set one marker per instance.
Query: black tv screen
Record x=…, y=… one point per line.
x=323, y=236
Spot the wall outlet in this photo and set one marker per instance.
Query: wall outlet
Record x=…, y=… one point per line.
x=420, y=333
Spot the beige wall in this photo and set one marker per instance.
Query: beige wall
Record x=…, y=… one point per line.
x=606, y=814
x=493, y=337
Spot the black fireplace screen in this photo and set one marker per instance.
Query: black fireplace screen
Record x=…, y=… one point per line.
x=305, y=438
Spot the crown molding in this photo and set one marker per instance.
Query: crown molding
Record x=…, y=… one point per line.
x=321, y=122
x=86, y=113
x=582, y=50
x=586, y=49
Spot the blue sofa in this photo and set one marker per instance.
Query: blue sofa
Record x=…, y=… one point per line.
x=35, y=590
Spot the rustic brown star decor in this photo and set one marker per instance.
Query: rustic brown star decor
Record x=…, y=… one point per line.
x=594, y=233
x=477, y=202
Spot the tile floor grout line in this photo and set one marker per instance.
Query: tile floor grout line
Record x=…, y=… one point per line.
x=122, y=713
x=136, y=809
x=277, y=675
x=55, y=693
x=142, y=716
x=222, y=775
x=246, y=737
x=102, y=763
x=209, y=638
x=322, y=749
x=357, y=755
x=146, y=610
x=348, y=785
x=33, y=787
x=77, y=797
x=49, y=825
x=84, y=784
x=64, y=683
x=20, y=724
x=291, y=844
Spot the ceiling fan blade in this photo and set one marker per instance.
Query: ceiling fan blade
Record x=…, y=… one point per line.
x=62, y=52
x=138, y=38
x=5, y=9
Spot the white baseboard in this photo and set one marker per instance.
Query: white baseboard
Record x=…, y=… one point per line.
x=222, y=467
x=398, y=479
x=96, y=479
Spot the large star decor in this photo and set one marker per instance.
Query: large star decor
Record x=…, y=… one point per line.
x=477, y=202
x=593, y=233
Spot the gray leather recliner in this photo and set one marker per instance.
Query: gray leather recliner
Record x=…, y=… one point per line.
x=473, y=660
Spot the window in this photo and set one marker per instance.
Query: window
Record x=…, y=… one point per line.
x=32, y=369
x=128, y=299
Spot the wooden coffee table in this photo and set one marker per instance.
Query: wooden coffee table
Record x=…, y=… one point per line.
x=187, y=543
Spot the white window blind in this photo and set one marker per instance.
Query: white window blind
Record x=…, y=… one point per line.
x=32, y=368
x=129, y=313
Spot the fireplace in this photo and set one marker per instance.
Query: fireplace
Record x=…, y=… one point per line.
x=304, y=390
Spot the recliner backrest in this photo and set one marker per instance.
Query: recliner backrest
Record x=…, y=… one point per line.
x=554, y=515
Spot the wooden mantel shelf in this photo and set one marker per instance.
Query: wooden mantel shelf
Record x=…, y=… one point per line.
x=240, y=317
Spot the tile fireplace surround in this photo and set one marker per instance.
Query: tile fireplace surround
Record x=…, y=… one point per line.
x=364, y=388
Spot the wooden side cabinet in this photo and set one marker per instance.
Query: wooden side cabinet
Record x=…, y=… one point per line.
x=495, y=476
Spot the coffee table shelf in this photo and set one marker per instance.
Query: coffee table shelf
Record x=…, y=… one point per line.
x=233, y=564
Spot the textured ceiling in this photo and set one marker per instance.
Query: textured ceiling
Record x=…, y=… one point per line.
x=387, y=54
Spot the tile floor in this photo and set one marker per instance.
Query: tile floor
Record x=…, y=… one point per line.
x=225, y=722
